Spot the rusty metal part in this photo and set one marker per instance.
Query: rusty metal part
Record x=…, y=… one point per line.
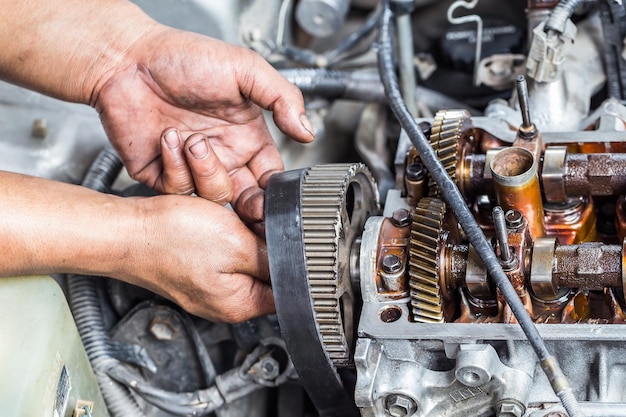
x=427, y=240
x=393, y=242
x=452, y=137
x=401, y=218
x=486, y=160
x=336, y=201
x=595, y=174
x=415, y=181
x=514, y=220
x=624, y=268
x=514, y=172
x=572, y=222
x=476, y=174
x=589, y=266
x=519, y=241
x=507, y=258
x=582, y=174
x=476, y=280
x=455, y=267
x=593, y=307
x=552, y=174
x=541, y=269
x=392, y=272
x=620, y=217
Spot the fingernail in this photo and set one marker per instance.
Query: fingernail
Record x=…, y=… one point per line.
x=171, y=139
x=199, y=150
x=306, y=124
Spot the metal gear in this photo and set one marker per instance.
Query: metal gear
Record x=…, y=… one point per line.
x=313, y=219
x=336, y=201
x=428, y=236
x=451, y=137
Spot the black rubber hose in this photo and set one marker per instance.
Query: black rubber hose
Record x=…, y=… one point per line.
x=85, y=304
x=103, y=171
x=312, y=59
x=613, y=16
x=360, y=86
x=349, y=85
x=455, y=200
x=355, y=37
x=561, y=13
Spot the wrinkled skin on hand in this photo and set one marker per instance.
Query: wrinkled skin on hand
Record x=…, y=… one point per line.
x=226, y=279
x=185, y=248
x=173, y=79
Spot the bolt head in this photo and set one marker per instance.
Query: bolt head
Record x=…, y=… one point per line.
x=269, y=368
x=511, y=409
x=401, y=218
x=162, y=330
x=426, y=127
x=415, y=171
x=398, y=405
x=392, y=264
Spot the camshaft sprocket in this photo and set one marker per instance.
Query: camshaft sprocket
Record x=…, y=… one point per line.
x=314, y=218
x=451, y=137
x=427, y=238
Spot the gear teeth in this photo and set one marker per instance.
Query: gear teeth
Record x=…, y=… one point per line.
x=324, y=190
x=445, y=138
x=426, y=233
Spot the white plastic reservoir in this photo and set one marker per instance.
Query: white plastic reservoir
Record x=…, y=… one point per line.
x=44, y=370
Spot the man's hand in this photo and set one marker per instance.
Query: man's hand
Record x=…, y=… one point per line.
x=190, y=250
x=207, y=260
x=144, y=78
x=171, y=84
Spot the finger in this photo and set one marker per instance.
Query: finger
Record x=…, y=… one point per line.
x=176, y=177
x=262, y=84
x=258, y=229
x=248, y=196
x=259, y=301
x=265, y=163
x=209, y=175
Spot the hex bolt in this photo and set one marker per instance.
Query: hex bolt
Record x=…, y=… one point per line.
x=391, y=264
x=510, y=408
x=270, y=369
x=415, y=171
x=399, y=405
x=426, y=128
x=401, y=218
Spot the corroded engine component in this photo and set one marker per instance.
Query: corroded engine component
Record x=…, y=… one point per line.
x=451, y=137
x=427, y=239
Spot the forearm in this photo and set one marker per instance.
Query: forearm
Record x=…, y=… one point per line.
x=46, y=45
x=51, y=227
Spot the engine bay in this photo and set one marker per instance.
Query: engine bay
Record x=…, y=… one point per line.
x=452, y=243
